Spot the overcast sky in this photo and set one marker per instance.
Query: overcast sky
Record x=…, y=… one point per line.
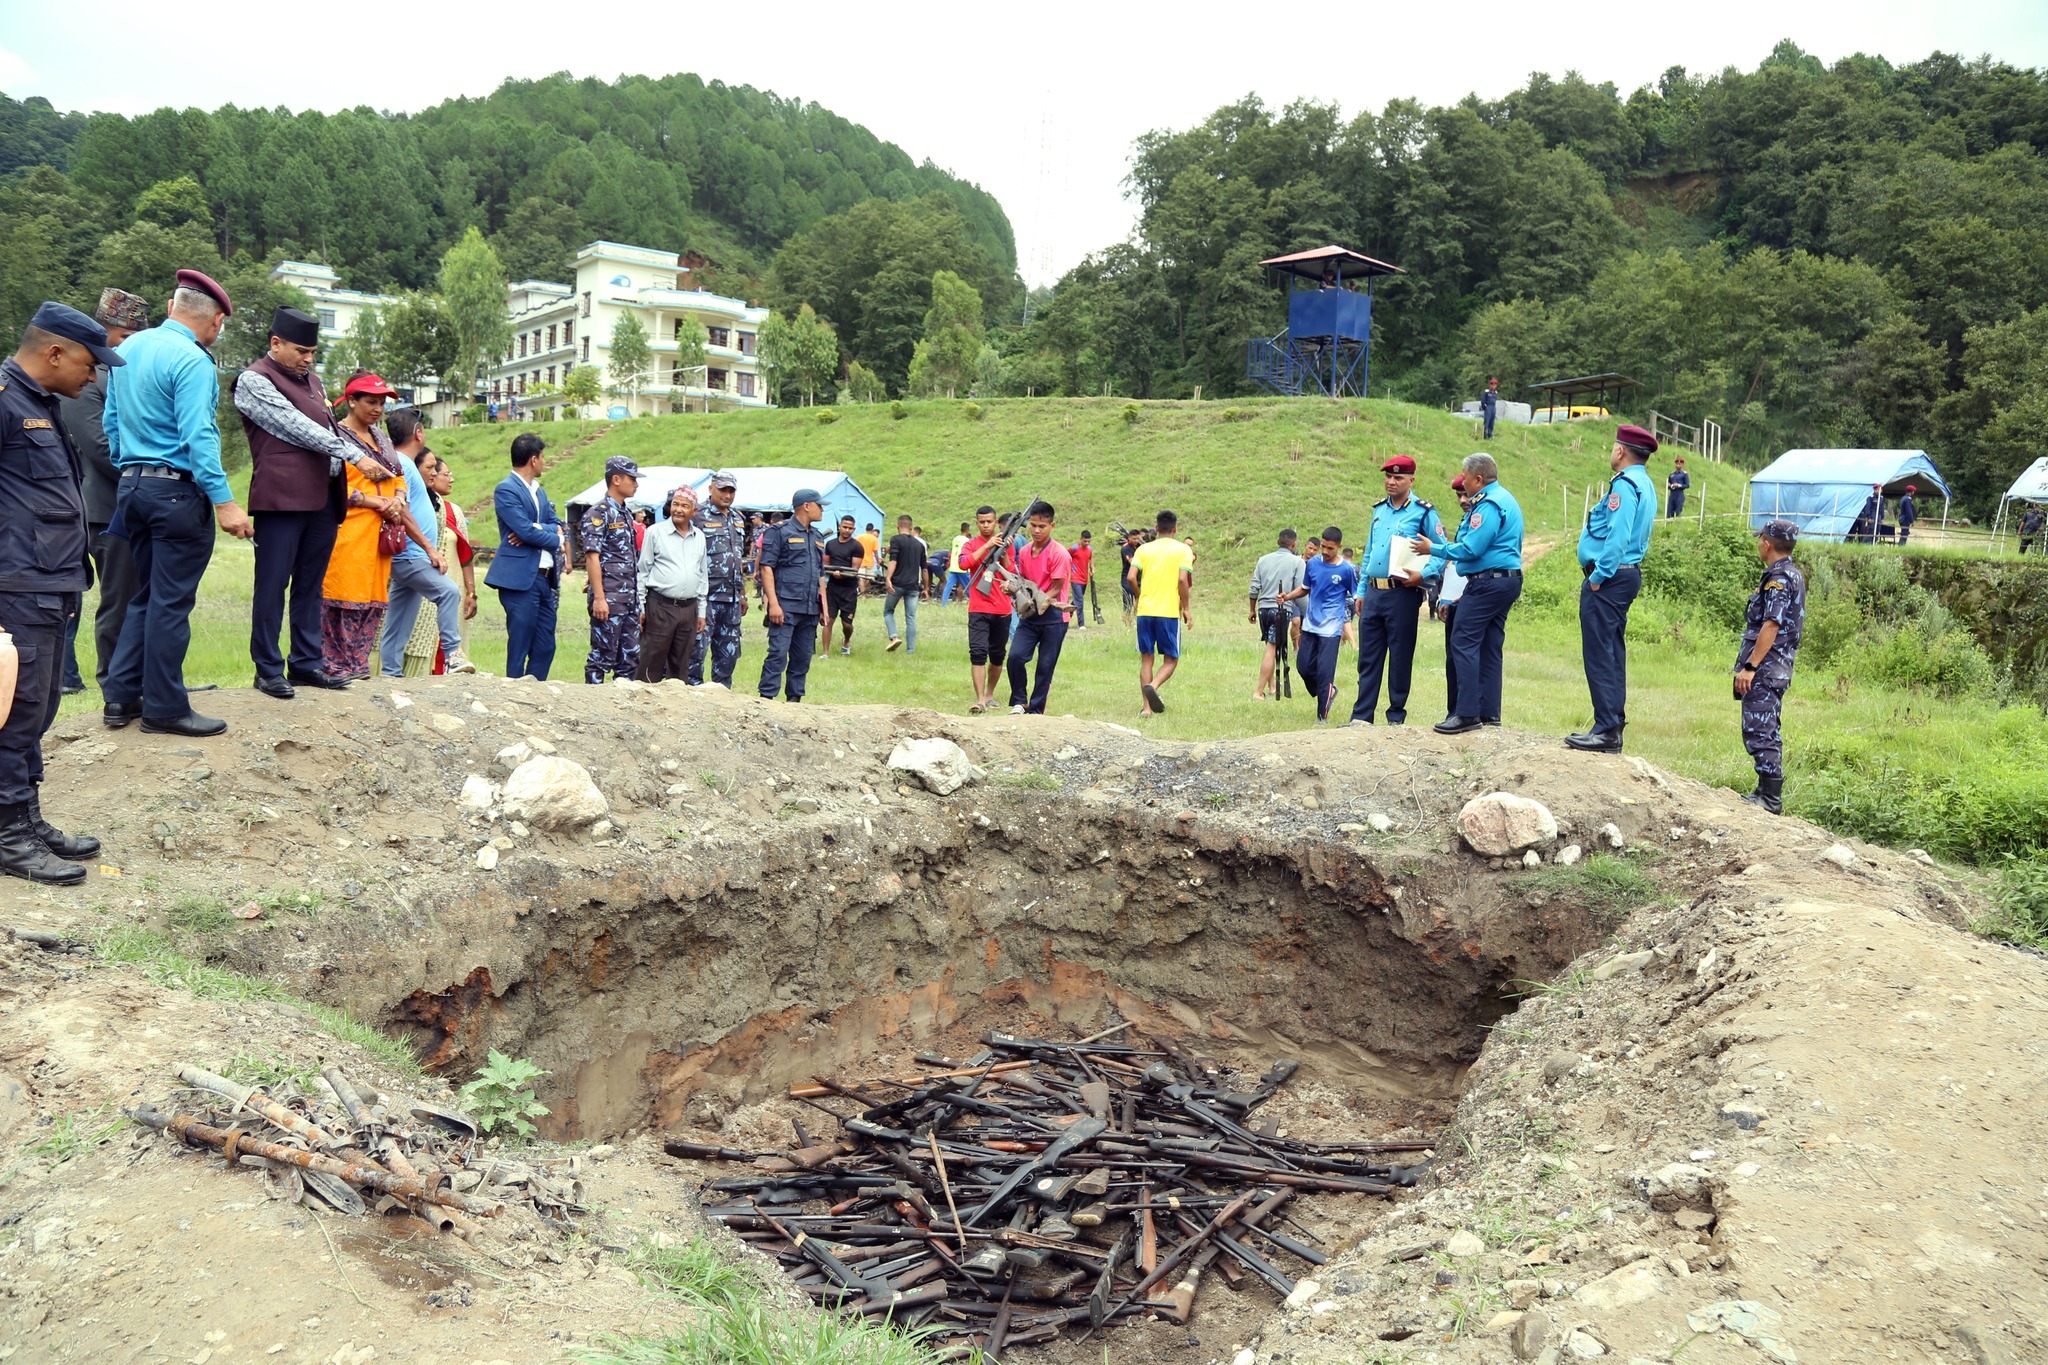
x=1037, y=103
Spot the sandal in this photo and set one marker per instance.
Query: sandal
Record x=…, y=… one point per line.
x=976, y=709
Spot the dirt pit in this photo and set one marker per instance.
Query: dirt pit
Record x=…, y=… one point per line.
x=766, y=901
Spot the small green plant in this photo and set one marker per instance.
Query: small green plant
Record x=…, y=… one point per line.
x=826, y=417
x=192, y=914
x=1218, y=799
x=75, y=1134
x=1235, y=415
x=1001, y=471
x=269, y=1069
x=897, y=412
x=973, y=412
x=1603, y=883
x=1131, y=414
x=2022, y=900
x=696, y=1271
x=500, y=1097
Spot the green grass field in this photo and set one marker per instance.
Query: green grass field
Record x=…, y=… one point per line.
x=1236, y=473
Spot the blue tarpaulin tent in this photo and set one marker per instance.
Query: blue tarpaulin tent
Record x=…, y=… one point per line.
x=1822, y=492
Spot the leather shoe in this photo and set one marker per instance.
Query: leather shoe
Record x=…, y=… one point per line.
x=191, y=725
x=74, y=848
x=202, y=687
x=1595, y=742
x=275, y=687
x=120, y=713
x=1456, y=725
x=1493, y=721
x=313, y=677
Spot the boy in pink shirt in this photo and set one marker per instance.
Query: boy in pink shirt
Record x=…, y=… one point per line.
x=1046, y=563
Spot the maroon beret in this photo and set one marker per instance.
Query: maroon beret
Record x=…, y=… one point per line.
x=1635, y=438
x=1398, y=464
x=192, y=279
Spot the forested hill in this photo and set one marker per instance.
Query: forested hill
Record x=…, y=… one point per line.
x=1814, y=255
x=540, y=166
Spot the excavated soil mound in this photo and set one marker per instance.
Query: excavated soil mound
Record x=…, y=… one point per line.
x=1729, y=1060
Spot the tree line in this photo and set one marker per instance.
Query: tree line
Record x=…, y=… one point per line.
x=1853, y=254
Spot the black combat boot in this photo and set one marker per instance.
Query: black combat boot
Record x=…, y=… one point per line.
x=1767, y=794
x=24, y=854
x=75, y=847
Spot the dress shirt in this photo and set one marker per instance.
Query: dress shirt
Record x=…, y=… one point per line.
x=673, y=563
x=162, y=407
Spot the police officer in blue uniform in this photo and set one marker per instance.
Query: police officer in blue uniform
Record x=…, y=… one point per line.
x=793, y=586
x=1611, y=550
x=725, y=562
x=1674, y=489
x=611, y=553
x=1908, y=512
x=1390, y=608
x=43, y=558
x=1772, y=625
x=1488, y=552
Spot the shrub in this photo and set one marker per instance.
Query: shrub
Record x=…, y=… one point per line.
x=473, y=415
x=1236, y=415
x=974, y=412
x=2022, y=899
x=500, y=1096
x=1000, y=471
x=897, y=412
x=1950, y=664
x=826, y=417
x=1130, y=413
x=543, y=415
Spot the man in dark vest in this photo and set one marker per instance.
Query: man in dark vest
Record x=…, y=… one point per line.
x=122, y=314
x=298, y=497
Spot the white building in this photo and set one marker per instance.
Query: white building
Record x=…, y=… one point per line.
x=558, y=327
x=337, y=310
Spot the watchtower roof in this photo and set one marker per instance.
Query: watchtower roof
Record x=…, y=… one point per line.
x=1345, y=263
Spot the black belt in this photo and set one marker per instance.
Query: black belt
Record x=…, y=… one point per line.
x=1586, y=569
x=1387, y=584
x=673, y=601
x=1494, y=573
x=154, y=471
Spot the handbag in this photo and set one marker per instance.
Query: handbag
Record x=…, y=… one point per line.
x=390, y=538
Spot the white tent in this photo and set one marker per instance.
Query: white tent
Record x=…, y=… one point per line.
x=2030, y=486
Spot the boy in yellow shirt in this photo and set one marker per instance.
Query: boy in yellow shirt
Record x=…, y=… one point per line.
x=1162, y=578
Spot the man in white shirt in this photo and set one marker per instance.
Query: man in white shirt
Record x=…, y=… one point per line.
x=674, y=583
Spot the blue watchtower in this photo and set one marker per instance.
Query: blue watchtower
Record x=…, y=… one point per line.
x=1328, y=342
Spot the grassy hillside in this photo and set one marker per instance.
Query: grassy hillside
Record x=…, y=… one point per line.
x=1234, y=472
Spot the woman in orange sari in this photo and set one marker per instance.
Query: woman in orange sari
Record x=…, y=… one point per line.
x=358, y=584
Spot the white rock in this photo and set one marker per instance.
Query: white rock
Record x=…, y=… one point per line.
x=1677, y=1183
x=479, y=793
x=447, y=724
x=1304, y=1292
x=1532, y=859
x=1066, y=752
x=1610, y=834
x=554, y=793
x=1380, y=821
x=1584, y=1345
x=1841, y=855
x=512, y=755
x=487, y=857
x=1569, y=854
x=1464, y=1243
x=1628, y=964
x=601, y=829
x=540, y=746
x=940, y=764
x=1708, y=963
x=1245, y=1357
x=1632, y=1284
x=1501, y=823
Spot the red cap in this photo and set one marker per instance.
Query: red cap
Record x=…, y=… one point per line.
x=1398, y=464
x=1912, y=488
x=192, y=279
x=1458, y=484
x=370, y=384
x=1635, y=438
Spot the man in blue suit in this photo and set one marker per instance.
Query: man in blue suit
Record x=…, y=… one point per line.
x=527, y=570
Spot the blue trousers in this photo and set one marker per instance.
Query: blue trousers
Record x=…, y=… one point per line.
x=529, y=628
x=1388, y=619
x=720, y=640
x=414, y=584
x=953, y=580
x=1603, y=644
x=1450, y=663
x=908, y=597
x=1316, y=660
x=1046, y=633
x=1479, y=633
x=788, y=665
x=36, y=620
x=1761, y=735
x=1674, y=503
x=170, y=530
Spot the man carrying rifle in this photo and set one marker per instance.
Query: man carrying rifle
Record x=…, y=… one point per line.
x=988, y=605
x=844, y=557
x=1278, y=572
x=1046, y=565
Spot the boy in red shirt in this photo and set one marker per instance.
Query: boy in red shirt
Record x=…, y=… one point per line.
x=988, y=608
x=1046, y=563
x=1083, y=553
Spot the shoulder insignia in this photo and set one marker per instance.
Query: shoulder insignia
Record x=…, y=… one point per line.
x=1614, y=502
x=35, y=424
x=1425, y=504
x=1775, y=585
x=1381, y=503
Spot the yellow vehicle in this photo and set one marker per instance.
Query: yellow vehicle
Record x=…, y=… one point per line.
x=1563, y=414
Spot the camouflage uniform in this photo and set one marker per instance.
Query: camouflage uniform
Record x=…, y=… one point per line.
x=725, y=560
x=1780, y=597
x=606, y=530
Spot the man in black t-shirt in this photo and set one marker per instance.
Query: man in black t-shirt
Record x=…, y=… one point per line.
x=1132, y=540
x=842, y=582
x=909, y=575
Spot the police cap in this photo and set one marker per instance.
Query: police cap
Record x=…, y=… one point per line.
x=62, y=320
x=725, y=478
x=621, y=464
x=804, y=495
x=1780, y=530
x=1398, y=464
x=1636, y=438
